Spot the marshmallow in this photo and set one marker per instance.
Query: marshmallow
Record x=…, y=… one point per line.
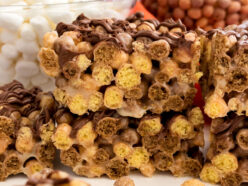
x=40, y=25
x=30, y=57
x=25, y=81
x=49, y=86
x=10, y=21
x=39, y=79
x=5, y=63
x=29, y=48
x=26, y=68
x=27, y=32
x=9, y=51
x=108, y=13
x=7, y=36
x=6, y=76
x=60, y=16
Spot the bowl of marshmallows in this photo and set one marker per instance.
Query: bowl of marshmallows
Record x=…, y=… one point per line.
x=24, y=23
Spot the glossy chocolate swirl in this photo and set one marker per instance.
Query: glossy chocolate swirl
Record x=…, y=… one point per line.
x=15, y=94
x=114, y=28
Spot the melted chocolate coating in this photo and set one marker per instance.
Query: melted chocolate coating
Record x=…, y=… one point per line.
x=113, y=28
x=15, y=94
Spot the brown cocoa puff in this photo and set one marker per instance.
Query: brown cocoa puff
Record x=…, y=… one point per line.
x=234, y=7
x=197, y=3
x=194, y=13
x=117, y=168
x=184, y=4
x=163, y=161
x=224, y=3
x=178, y=13
x=173, y=3
x=207, y=11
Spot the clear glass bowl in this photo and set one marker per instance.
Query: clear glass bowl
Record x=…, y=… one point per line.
x=22, y=27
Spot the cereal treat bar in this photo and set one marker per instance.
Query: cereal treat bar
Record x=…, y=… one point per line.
x=49, y=177
x=224, y=64
x=105, y=142
x=227, y=157
x=132, y=66
x=26, y=127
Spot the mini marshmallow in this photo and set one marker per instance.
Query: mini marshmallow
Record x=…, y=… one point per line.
x=29, y=57
x=11, y=21
x=25, y=81
x=27, y=32
x=5, y=63
x=48, y=86
x=90, y=11
x=6, y=76
x=40, y=25
x=7, y=36
x=108, y=13
x=9, y=51
x=39, y=79
x=26, y=68
x=29, y=48
x=60, y=15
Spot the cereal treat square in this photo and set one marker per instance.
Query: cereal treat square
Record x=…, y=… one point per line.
x=49, y=177
x=224, y=64
x=106, y=143
x=26, y=127
x=227, y=157
x=132, y=66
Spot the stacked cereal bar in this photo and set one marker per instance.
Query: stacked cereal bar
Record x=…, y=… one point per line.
x=224, y=65
x=49, y=177
x=131, y=66
x=26, y=127
x=225, y=86
x=107, y=143
x=125, y=89
x=23, y=24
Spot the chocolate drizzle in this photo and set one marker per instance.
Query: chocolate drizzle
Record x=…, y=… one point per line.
x=114, y=30
x=44, y=117
x=79, y=123
x=170, y=23
x=15, y=94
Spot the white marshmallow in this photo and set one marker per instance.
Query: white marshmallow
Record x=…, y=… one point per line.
x=10, y=21
x=109, y=13
x=6, y=76
x=40, y=25
x=26, y=68
x=30, y=57
x=25, y=81
x=90, y=11
x=27, y=32
x=9, y=51
x=60, y=15
x=5, y=63
x=28, y=48
x=39, y=79
x=48, y=86
x=7, y=36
